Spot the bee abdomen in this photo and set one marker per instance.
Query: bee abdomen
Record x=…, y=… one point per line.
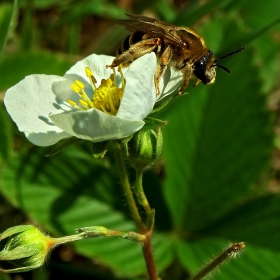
x=129, y=41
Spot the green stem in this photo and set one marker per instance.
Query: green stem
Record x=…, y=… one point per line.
x=69, y=238
x=140, y=194
x=147, y=247
x=127, y=189
x=149, y=259
x=230, y=252
x=96, y=231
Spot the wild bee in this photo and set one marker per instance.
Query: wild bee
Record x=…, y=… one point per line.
x=179, y=47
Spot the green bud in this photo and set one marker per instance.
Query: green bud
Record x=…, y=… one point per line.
x=145, y=147
x=26, y=248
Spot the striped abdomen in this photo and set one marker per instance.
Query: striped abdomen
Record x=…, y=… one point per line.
x=131, y=40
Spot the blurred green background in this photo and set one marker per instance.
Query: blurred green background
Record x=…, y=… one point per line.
x=218, y=178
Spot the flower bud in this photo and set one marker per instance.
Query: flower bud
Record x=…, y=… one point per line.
x=145, y=147
x=26, y=248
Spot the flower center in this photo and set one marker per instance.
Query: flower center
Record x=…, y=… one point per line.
x=107, y=97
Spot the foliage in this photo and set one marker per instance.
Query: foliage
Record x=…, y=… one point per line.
x=215, y=182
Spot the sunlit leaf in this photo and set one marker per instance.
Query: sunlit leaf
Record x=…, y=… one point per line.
x=63, y=195
x=217, y=141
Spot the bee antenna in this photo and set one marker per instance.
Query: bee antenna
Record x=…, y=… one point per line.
x=223, y=67
x=231, y=53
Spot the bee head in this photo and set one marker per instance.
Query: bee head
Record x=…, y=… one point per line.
x=204, y=69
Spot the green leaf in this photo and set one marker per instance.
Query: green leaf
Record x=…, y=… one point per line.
x=217, y=141
x=62, y=145
x=256, y=16
x=266, y=57
x=257, y=222
x=252, y=263
x=262, y=28
x=64, y=193
x=196, y=11
x=7, y=18
x=15, y=67
x=5, y=134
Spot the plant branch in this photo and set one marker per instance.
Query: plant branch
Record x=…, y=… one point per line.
x=228, y=253
x=148, y=255
x=141, y=197
x=142, y=228
x=126, y=188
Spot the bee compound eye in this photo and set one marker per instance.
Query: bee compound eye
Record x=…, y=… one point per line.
x=199, y=71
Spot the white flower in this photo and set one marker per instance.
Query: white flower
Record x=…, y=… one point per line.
x=50, y=108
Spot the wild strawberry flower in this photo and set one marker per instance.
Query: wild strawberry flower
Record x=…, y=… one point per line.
x=89, y=102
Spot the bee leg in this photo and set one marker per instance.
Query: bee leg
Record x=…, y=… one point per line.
x=135, y=51
x=187, y=73
x=196, y=82
x=164, y=61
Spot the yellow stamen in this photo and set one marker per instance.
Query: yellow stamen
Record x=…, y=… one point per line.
x=75, y=88
x=88, y=72
x=72, y=103
x=79, y=84
x=104, y=110
x=78, y=87
x=84, y=103
x=112, y=105
x=91, y=78
x=107, y=97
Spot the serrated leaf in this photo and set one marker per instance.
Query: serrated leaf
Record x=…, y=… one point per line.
x=224, y=142
x=257, y=221
x=60, y=194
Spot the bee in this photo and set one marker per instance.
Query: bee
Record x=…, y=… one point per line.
x=180, y=47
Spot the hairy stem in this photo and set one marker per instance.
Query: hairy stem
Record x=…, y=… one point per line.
x=228, y=253
x=146, y=244
x=127, y=188
x=149, y=259
x=141, y=197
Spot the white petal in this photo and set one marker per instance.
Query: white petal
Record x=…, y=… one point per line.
x=95, y=125
x=172, y=79
x=97, y=64
x=139, y=94
x=29, y=103
x=63, y=91
x=46, y=139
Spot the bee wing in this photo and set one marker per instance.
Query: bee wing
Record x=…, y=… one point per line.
x=152, y=26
